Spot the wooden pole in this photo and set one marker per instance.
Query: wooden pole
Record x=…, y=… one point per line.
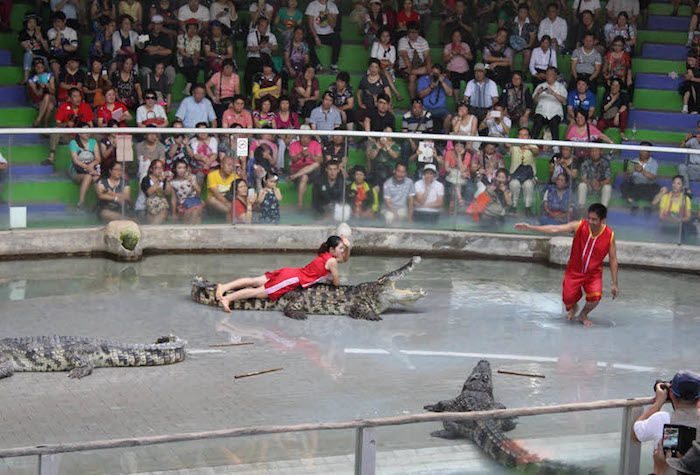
x=522, y=374
x=245, y=375
x=218, y=345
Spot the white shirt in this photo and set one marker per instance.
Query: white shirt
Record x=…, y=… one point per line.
x=547, y=105
x=217, y=8
x=68, y=33
x=315, y=8
x=383, y=54
x=158, y=113
x=437, y=190
x=629, y=6
x=557, y=29
x=253, y=40
x=496, y=129
x=488, y=88
x=591, y=5
x=269, y=13
x=542, y=60
x=201, y=15
x=2, y=160
x=652, y=428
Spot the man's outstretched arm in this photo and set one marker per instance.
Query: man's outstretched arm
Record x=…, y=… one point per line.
x=567, y=228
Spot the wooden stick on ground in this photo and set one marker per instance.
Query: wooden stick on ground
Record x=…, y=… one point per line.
x=522, y=374
x=245, y=375
x=231, y=344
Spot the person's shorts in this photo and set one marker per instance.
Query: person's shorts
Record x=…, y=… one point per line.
x=592, y=284
x=455, y=78
x=439, y=112
x=281, y=281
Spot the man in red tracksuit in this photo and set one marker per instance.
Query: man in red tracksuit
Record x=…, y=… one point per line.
x=593, y=240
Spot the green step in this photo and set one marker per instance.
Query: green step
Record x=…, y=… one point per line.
x=11, y=75
x=657, y=36
x=33, y=154
x=661, y=100
x=63, y=192
x=17, y=15
x=18, y=116
x=658, y=66
x=667, y=9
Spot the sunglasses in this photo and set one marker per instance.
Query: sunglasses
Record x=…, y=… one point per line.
x=150, y=97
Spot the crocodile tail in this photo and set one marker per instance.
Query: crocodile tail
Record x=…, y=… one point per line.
x=204, y=292
x=400, y=272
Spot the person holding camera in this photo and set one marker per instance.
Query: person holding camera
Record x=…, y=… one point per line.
x=434, y=89
x=69, y=114
x=683, y=392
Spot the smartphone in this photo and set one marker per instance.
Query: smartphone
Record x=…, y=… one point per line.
x=677, y=439
x=495, y=114
x=251, y=193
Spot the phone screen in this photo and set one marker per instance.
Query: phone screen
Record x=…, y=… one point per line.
x=670, y=438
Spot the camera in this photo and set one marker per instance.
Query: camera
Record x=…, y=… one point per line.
x=666, y=385
x=677, y=439
x=263, y=39
x=435, y=77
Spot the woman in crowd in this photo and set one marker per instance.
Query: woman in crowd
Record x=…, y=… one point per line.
x=615, y=109
x=42, y=90
x=457, y=171
x=113, y=194
x=305, y=92
x=489, y=161
x=343, y=98
x=542, y=58
x=177, y=147
x=112, y=109
x=457, y=56
x=624, y=30
x=242, y=210
x=267, y=84
x=264, y=117
x=156, y=187
x=85, y=162
x=33, y=43
x=151, y=113
x=125, y=41
x=108, y=148
x=189, y=46
x=285, y=119
x=385, y=53
x=675, y=210
x=404, y=17
x=185, y=201
x=287, y=21
x=217, y=47
x=517, y=100
x=158, y=81
x=375, y=19
x=204, y=153
x=101, y=46
x=500, y=200
x=134, y=10
x=223, y=11
x=582, y=131
x=96, y=83
x=464, y=123
x=272, y=285
x=562, y=163
x=371, y=85
x=296, y=55
x=222, y=87
x=237, y=114
x=618, y=65
x=558, y=202
x=126, y=83
x=268, y=200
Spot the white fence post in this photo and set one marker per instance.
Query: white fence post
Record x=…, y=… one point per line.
x=630, y=449
x=365, y=450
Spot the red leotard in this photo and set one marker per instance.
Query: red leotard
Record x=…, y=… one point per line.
x=285, y=279
x=585, y=268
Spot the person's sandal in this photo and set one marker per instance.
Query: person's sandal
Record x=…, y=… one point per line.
x=48, y=161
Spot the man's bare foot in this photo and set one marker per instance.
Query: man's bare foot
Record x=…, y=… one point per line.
x=225, y=304
x=572, y=313
x=219, y=292
x=584, y=319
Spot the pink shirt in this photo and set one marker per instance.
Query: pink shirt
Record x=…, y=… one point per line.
x=457, y=64
x=573, y=135
x=295, y=148
x=245, y=119
x=225, y=88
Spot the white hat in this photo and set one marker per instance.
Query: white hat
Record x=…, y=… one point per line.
x=430, y=167
x=157, y=19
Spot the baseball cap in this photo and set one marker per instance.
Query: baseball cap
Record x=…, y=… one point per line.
x=479, y=67
x=430, y=167
x=157, y=19
x=689, y=463
x=215, y=23
x=685, y=385
x=192, y=21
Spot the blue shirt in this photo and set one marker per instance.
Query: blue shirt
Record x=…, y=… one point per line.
x=325, y=120
x=574, y=100
x=437, y=97
x=192, y=113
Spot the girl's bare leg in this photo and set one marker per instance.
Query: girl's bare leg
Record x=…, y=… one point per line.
x=249, y=293
x=221, y=289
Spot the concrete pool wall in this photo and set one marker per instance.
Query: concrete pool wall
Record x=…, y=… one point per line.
x=32, y=243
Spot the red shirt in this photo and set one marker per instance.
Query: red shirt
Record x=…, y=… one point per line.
x=240, y=209
x=402, y=18
x=588, y=251
x=315, y=271
x=106, y=114
x=66, y=111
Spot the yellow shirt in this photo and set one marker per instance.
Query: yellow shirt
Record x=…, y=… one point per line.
x=214, y=180
x=132, y=10
x=675, y=207
x=518, y=157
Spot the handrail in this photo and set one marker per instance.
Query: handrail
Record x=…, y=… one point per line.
x=344, y=133
x=356, y=424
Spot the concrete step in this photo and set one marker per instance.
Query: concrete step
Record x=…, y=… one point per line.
x=665, y=51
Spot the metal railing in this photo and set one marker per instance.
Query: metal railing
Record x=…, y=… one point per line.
x=366, y=436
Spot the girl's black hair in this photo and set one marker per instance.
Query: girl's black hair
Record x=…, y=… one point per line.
x=331, y=242
x=175, y=164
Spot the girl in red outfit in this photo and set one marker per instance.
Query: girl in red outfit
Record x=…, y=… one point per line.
x=274, y=284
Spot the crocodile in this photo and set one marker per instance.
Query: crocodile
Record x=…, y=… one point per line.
x=80, y=355
x=364, y=301
x=488, y=434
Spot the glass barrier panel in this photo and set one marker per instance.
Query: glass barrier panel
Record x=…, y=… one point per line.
x=20, y=465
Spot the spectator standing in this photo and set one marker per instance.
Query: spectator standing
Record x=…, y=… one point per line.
x=322, y=19
x=414, y=57
x=112, y=109
x=189, y=47
x=69, y=114
x=429, y=197
x=543, y=57
x=42, y=90
x=581, y=99
x=385, y=52
x=343, y=99
x=517, y=100
x=33, y=43
x=690, y=170
x=63, y=42
x=196, y=109
x=261, y=43
x=456, y=56
x=325, y=116
x=549, y=96
x=523, y=32
x=618, y=65
x=499, y=57
x=586, y=63
x=555, y=27
x=615, y=109
x=640, y=182
x=305, y=92
x=596, y=177
x=434, y=88
x=481, y=93
x=192, y=10
x=399, y=193
x=523, y=172
x=306, y=157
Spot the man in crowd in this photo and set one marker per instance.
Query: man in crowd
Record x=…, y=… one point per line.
x=322, y=18
x=555, y=27
x=159, y=48
x=690, y=170
x=549, y=97
x=63, y=42
x=640, y=181
x=73, y=113
x=586, y=62
x=481, y=93
x=328, y=198
x=613, y=8
x=325, y=116
x=306, y=157
x=399, y=192
x=193, y=10
x=416, y=120
x=596, y=177
x=434, y=89
x=196, y=108
x=585, y=267
x=414, y=57
x=218, y=185
x=460, y=20
x=499, y=56
x=582, y=98
x=683, y=391
x=521, y=157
